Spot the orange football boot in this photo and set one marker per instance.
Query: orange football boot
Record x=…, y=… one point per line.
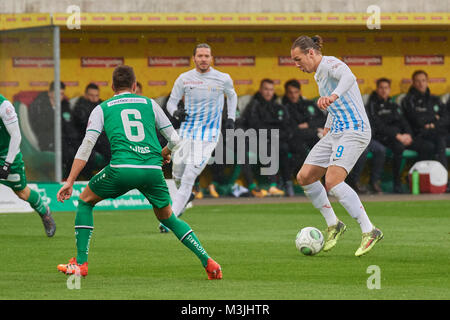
x=74, y=268
x=213, y=270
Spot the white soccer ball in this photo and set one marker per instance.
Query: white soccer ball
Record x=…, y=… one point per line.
x=309, y=241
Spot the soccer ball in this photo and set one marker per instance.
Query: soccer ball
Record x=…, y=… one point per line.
x=309, y=241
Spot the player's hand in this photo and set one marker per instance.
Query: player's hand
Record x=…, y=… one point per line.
x=166, y=154
x=180, y=115
x=4, y=170
x=65, y=192
x=229, y=124
x=324, y=102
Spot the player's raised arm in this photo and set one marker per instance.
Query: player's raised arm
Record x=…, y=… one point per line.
x=231, y=103
x=175, y=96
x=93, y=131
x=9, y=118
x=340, y=71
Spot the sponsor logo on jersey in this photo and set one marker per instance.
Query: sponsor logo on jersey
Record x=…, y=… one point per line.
x=127, y=100
x=142, y=150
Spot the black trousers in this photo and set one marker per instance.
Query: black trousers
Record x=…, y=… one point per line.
x=379, y=155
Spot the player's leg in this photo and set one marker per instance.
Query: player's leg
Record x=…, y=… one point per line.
x=36, y=202
x=309, y=176
x=108, y=183
x=17, y=181
x=156, y=191
x=84, y=226
x=346, y=151
x=195, y=161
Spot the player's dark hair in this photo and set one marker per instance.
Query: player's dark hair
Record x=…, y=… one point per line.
x=123, y=77
x=417, y=72
x=305, y=43
x=267, y=80
x=201, y=45
x=52, y=86
x=383, y=80
x=91, y=86
x=292, y=83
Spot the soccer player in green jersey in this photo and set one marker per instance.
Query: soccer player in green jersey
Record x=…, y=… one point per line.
x=12, y=168
x=129, y=121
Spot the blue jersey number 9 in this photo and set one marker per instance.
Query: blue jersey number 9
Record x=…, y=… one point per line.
x=339, y=150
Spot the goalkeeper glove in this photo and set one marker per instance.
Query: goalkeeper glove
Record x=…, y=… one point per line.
x=180, y=115
x=4, y=170
x=229, y=124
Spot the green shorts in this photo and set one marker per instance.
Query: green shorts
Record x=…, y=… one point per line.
x=114, y=182
x=16, y=178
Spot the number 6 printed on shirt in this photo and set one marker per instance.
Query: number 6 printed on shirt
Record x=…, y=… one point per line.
x=128, y=124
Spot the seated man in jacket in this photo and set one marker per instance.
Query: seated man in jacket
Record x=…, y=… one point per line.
x=263, y=112
x=42, y=121
x=81, y=112
x=427, y=117
x=306, y=121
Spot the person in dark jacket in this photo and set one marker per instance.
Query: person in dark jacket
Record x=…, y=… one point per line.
x=42, y=122
x=427, y=117
x=263, y=112
x=81, y=112
x=306, y=121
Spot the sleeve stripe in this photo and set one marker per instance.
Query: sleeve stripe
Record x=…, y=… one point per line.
x=165, y=127
x=93, y=130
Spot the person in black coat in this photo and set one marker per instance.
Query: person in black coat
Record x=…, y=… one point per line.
x=306, y=121
x=263, y=112
x=42, y=122
x=427, y=117
x=81, y=112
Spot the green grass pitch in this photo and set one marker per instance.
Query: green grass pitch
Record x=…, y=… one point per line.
x=130, y=259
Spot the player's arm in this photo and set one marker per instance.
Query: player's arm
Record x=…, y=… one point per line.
x=166, y=129
x=9, y=118
x=93, y=131
x=175, y=96
x=231, y=103
x=341, y=72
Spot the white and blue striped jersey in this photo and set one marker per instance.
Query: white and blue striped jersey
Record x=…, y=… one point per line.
x=203, y=101
x=347, y=113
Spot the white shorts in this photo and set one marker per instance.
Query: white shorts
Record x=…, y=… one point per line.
x=190, y=158
x=341, y=150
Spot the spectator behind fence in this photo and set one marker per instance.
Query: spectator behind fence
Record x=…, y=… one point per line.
x=42, y=122
x=81, y=112
x=306, y=122
x=266, y=113
x=427, y=117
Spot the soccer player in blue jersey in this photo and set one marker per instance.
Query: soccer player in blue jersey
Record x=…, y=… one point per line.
x=347, y=134
x=203, y=89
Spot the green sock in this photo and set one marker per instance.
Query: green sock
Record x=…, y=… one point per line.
x=84, y=225
x=185, y=234
x=36, y=202
x=252, y=186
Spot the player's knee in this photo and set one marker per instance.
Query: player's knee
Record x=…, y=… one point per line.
x=303, y=178
x=22, y=194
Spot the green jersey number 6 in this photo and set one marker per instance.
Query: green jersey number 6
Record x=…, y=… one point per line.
x=128, y=124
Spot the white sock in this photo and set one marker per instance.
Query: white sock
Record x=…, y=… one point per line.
x=349, y=199
x=318, y=196
x=181, y=198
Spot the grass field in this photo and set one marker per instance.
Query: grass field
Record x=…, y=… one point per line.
x=130, y=259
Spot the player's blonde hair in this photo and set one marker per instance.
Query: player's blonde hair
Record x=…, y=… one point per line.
x=304, y=43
